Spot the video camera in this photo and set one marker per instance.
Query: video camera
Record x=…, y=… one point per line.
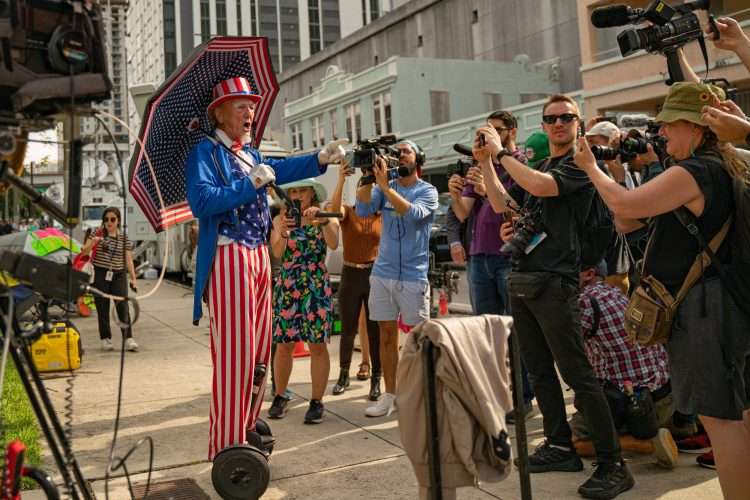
x=364, y=155
x=52, y=60
x=462, y=166
x=52, y=55
x=672, y=27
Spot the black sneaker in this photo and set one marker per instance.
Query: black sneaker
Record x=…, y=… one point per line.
x=548, y=458
x=278, y=407
x=608, y=481
x=315, y=412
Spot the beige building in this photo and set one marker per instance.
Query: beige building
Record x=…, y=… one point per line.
x=635, y=83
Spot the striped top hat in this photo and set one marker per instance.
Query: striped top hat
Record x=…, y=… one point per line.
x=234, y=88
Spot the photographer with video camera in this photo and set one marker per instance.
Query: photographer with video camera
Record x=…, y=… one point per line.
x=489, y=265
x=555, y=200
x=693, y=202
x=398, y=282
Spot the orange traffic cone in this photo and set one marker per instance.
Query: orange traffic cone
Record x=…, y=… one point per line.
x=300, y=351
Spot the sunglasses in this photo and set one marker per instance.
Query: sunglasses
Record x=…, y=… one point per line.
x=565, y=117
x=110, y=219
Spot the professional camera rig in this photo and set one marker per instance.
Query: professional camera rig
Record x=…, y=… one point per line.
x=364, y=155
x=52, y=68
x=51, y=62
x=672, y=27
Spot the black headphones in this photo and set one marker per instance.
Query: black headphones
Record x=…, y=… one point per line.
x=417, y=151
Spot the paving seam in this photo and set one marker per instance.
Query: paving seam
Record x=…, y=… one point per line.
x=354, y=424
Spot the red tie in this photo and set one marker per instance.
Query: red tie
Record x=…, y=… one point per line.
x=236, y=146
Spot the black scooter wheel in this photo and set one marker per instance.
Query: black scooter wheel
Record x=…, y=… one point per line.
x=262, y=431
x=240, y=472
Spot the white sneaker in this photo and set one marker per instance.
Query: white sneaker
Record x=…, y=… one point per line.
x=107, y=345
x=130, y=345
x=382, y=407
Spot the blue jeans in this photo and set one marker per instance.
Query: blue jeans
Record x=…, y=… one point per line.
x=488, y=281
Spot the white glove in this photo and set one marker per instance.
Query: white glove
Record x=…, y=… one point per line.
x=261, y=175
x=333, y=152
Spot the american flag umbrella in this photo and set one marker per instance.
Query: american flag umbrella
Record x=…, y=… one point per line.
x=175, y=120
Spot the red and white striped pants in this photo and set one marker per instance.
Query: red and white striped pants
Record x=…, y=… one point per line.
x=239, y=306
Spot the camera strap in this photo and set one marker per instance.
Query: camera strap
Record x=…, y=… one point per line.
x=704, y=51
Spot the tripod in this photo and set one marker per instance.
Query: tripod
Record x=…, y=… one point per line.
x=20, y=342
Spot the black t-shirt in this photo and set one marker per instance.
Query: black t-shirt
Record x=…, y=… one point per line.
x=560, y=217
x=673, y=250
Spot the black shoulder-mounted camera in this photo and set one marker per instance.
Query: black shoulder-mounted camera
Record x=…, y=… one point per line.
x=672, y=27
x=52, y=55
x=366, y=152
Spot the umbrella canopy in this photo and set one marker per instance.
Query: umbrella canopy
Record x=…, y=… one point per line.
x=175, y=120
x=51, y=243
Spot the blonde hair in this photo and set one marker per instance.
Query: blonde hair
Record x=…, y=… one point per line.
x=734, y=164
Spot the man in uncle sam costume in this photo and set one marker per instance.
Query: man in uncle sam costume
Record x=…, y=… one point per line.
x=233, y=272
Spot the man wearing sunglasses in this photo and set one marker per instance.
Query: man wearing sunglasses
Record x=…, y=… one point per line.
x=543, y=286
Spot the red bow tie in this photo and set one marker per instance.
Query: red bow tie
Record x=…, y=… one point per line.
x=236, y=146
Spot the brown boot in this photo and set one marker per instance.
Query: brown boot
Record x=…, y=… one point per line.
x=642, y=446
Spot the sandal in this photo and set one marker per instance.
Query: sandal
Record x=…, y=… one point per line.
x=364, y=371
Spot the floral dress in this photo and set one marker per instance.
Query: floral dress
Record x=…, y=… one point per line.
x=302, y=294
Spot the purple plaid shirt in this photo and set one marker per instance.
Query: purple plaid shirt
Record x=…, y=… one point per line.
x=608, y=350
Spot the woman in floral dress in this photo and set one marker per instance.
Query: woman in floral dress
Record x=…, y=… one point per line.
x=302, y=294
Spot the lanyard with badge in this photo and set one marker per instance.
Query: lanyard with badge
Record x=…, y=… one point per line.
x=110, y=252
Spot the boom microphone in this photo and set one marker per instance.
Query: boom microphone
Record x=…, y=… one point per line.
x=615, y=15
x=463, y=150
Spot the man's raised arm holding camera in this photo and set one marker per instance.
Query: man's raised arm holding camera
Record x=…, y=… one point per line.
x=543, y=287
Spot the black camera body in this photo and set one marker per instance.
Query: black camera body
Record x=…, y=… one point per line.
x=52, y=54
x=524, y=230
x=460, y=168
x=667, y=32
x=672, y=27
x=364, y=155
x=639, y=145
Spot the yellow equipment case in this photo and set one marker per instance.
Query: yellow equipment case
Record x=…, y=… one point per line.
x=53, y=351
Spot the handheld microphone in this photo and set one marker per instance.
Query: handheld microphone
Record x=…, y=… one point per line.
x=404, y=171
x=615, y=15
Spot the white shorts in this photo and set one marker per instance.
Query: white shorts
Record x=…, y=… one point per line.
x=390, y=297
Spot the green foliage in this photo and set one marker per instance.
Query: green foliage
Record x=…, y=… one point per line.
x=18, y=420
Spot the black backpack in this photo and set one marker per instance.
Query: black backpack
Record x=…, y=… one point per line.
x=596, y=232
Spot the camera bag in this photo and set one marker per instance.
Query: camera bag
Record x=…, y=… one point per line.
x=652, y=308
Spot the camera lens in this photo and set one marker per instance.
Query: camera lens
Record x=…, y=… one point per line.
x=635, y=146
x=604, y=153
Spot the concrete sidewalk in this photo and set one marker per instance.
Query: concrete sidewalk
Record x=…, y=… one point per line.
x=166, y=396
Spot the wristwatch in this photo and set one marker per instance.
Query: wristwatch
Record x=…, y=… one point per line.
x=502, y=153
